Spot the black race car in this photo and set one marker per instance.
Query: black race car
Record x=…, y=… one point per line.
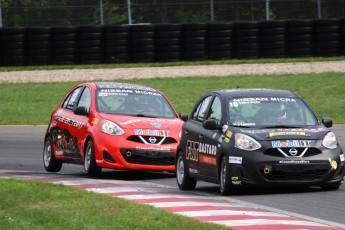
x=257, y=137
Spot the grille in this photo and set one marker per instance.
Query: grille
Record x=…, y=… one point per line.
x=275, y=152
x=167, y=140
x=149, y=160
x=148, y=157
x=305, y=175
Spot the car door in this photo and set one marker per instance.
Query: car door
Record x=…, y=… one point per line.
x=81, y=131
x=209, y=140
x=69, y=126
x=192, y=131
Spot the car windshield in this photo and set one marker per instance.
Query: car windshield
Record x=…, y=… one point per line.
x=270, y=112
x=134, y=103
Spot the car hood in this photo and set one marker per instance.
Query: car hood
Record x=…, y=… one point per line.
x=308, y=133
x=147, y=123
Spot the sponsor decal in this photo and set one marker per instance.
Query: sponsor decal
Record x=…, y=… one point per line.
x=224, y=128
x=235, y=160
x=342, y=158
x=94, y=121
x=59, y=152
x=192, y=151
x=273, y=134
x=156, y=125
x=194, y=148
x=258, y=131
x=208, y=149
x=125, y=92
x=220, y=139
x=234, y=178
x=153, y=148
x=151, y=132
x=228, y=133
x=193, y=170
x=333, y=163
x=207, y=159
x=226, y=139
x=294, y=162
x=147, y=120
x=236, y=182
x=290, y=144
x=245, y=124
x=257, y=100
x=117, y=86
x=114, y=92
x=68, y=121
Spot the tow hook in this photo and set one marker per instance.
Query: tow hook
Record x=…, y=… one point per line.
x=267, y=169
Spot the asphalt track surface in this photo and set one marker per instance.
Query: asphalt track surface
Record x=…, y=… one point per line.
x=21, y=153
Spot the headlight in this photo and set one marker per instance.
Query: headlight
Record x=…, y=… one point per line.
x=245, y=142
x=330, y=141
x=111, y=128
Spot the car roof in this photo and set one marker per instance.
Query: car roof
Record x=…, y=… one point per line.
x=119, y=85
x=255, y=92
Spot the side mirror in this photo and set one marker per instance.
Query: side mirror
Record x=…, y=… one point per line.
x=327, y=122
x=81, y=110
x=183, y=116
x=211, y=124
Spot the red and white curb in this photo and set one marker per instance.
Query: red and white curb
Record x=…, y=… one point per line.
x=209, y=209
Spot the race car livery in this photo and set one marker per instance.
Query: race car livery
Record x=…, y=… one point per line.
x=257, y=137
x=115, y=126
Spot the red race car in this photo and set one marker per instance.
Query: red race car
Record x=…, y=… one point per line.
x=113, y=125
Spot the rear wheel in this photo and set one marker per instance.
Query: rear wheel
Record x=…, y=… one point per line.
x=51, y=164
x=90, y=166
x=184, y=181
x=226, y=187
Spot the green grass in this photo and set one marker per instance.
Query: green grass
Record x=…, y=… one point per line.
x=39, y=205
x=32, y=103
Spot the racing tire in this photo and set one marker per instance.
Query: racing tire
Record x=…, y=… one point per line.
x=184, y=181
x=226, y=187
x=51, y=164
x=90, y=166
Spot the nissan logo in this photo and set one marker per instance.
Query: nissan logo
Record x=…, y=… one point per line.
x=293, y=152
x=152, y=140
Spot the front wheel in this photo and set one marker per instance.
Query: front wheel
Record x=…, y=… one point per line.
x=184, y=181
x=90, y=166
x=226, y=187
x=51, y=164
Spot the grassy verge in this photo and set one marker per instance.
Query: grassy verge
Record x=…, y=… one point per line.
x=32, y=103
x=38, y=205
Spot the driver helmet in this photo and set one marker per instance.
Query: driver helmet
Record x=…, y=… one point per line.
x=279, y=112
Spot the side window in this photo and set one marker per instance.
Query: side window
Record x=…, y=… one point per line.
x=70, y=100
x=85, y=99
x=200, y=111
x=215, y=112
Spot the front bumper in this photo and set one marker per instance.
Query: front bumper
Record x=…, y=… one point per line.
x=321, y=170
x=123, y=154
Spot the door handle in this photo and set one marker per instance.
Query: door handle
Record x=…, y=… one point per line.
x=201, y=136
